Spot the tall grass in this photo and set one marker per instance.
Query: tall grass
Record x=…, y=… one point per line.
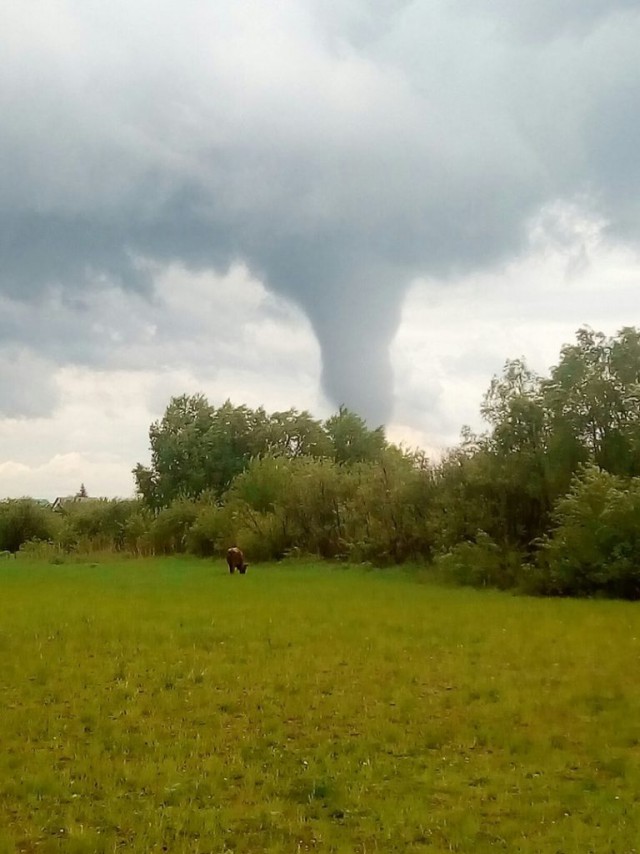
x=165, y=705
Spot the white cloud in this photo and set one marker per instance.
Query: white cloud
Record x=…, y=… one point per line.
x=63, y=474
x=450, y=343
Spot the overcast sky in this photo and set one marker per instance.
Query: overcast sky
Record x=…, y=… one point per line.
x=301, y=203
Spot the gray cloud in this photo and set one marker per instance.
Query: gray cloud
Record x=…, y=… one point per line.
x=549, y=19
x=338, y=153
x=26, y=387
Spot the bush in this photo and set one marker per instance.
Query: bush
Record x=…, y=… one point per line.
x=595, y=545
x=261, y=536
x=480, y=564
x=104, y=526
x=171, y=527
x=22, y=520
x=206, y=536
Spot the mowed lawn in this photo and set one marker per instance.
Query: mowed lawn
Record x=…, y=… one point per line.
x=162, y=705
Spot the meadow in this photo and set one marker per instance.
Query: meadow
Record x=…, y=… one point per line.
x=163, y=705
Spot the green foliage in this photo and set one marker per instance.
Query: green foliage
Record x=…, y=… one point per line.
x=104, y=525
x=317, y=507
x=387, y=522
x=265, y=483
x=480, y=563
x=294, y=434
x=206, y=534
x=352, y=441
x=171, y=527
x=187, y=453
x=279, y=505
x=22, y=520
x=512, y=406
x=367, y=511
x=197, y=448
x=286, y=484
x=595, y=545
x=592, y=399
x=136, y=529
x=508, y=481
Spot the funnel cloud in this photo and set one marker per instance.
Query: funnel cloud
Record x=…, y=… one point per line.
x=338, y=153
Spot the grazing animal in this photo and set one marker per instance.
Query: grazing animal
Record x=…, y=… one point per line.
x=235, y=559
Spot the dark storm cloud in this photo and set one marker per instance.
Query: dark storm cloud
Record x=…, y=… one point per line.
x=26, y=384
x=339, y=153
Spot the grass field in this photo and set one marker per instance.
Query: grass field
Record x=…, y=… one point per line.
x=163, y=705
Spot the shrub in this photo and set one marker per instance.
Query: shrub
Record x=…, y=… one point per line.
x=480, y=564
x=595, y=545
x=104, y=525
x=206, y=536
x=171, y=527
x=22, y=520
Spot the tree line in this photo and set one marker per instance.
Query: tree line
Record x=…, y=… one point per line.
x=547, y=499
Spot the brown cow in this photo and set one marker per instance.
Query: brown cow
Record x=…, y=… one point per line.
x=235, y=559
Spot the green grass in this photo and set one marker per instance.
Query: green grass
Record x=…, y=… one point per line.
x=166, y=706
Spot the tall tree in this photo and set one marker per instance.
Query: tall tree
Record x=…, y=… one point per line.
x=353, y=441
x=182, y=462
x=593, y=401
x=295, y=434
x=516, y=454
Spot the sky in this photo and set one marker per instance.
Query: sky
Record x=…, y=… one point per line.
x=301, y=204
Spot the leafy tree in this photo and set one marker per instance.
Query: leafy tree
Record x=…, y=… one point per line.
x=542, y=430
x=295, y=434
x=516, y=455
x=264, y=484
x=283, y=483
x=101, y=525
x=316, y=506
x=279, y=504
x=22, y=520
x=180, y=446
x=352, y=440
x=595, y=544
x=387, y=519
x=513, y=407
x=365, y=511
x=195, y=448
x=137, y=527
x=592, y=400
x=170, y=530
x=209, y=533
x=467, y=497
